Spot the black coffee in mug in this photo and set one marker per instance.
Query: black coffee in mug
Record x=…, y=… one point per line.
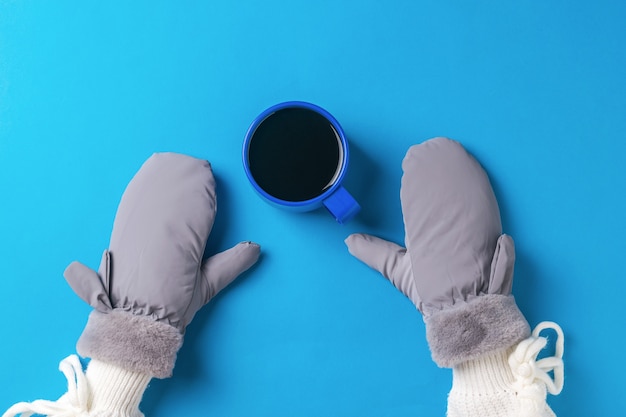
x=295, y=154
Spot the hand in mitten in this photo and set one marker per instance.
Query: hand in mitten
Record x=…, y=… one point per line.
x=151, y=282
x=457, y=268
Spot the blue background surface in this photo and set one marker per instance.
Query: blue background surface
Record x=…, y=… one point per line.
x=534, y=89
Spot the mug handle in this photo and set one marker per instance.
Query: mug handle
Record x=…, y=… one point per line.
x=342, y=205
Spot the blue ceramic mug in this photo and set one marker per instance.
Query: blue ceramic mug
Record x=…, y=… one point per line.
x=295, y=155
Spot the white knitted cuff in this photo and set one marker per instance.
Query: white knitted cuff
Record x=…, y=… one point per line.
x=115, y=391
x=487, y=374
x=483, y=387
x=490, y=386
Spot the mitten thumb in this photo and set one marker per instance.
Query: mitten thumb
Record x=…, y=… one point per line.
x=388, y=258
x=90, y=285
x=501, y=276
x=222, y=268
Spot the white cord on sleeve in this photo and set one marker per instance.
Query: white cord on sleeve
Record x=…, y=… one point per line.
x=74, y=403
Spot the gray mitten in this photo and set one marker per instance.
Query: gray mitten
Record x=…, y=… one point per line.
x=152, y=280
x=457, y=266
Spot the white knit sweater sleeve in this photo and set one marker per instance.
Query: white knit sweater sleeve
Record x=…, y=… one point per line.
x=508, y=383
x=115, y=392
x=103, y=391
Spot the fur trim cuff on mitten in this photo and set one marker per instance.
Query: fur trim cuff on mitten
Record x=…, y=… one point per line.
x=136, y=343
x=471, y=329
